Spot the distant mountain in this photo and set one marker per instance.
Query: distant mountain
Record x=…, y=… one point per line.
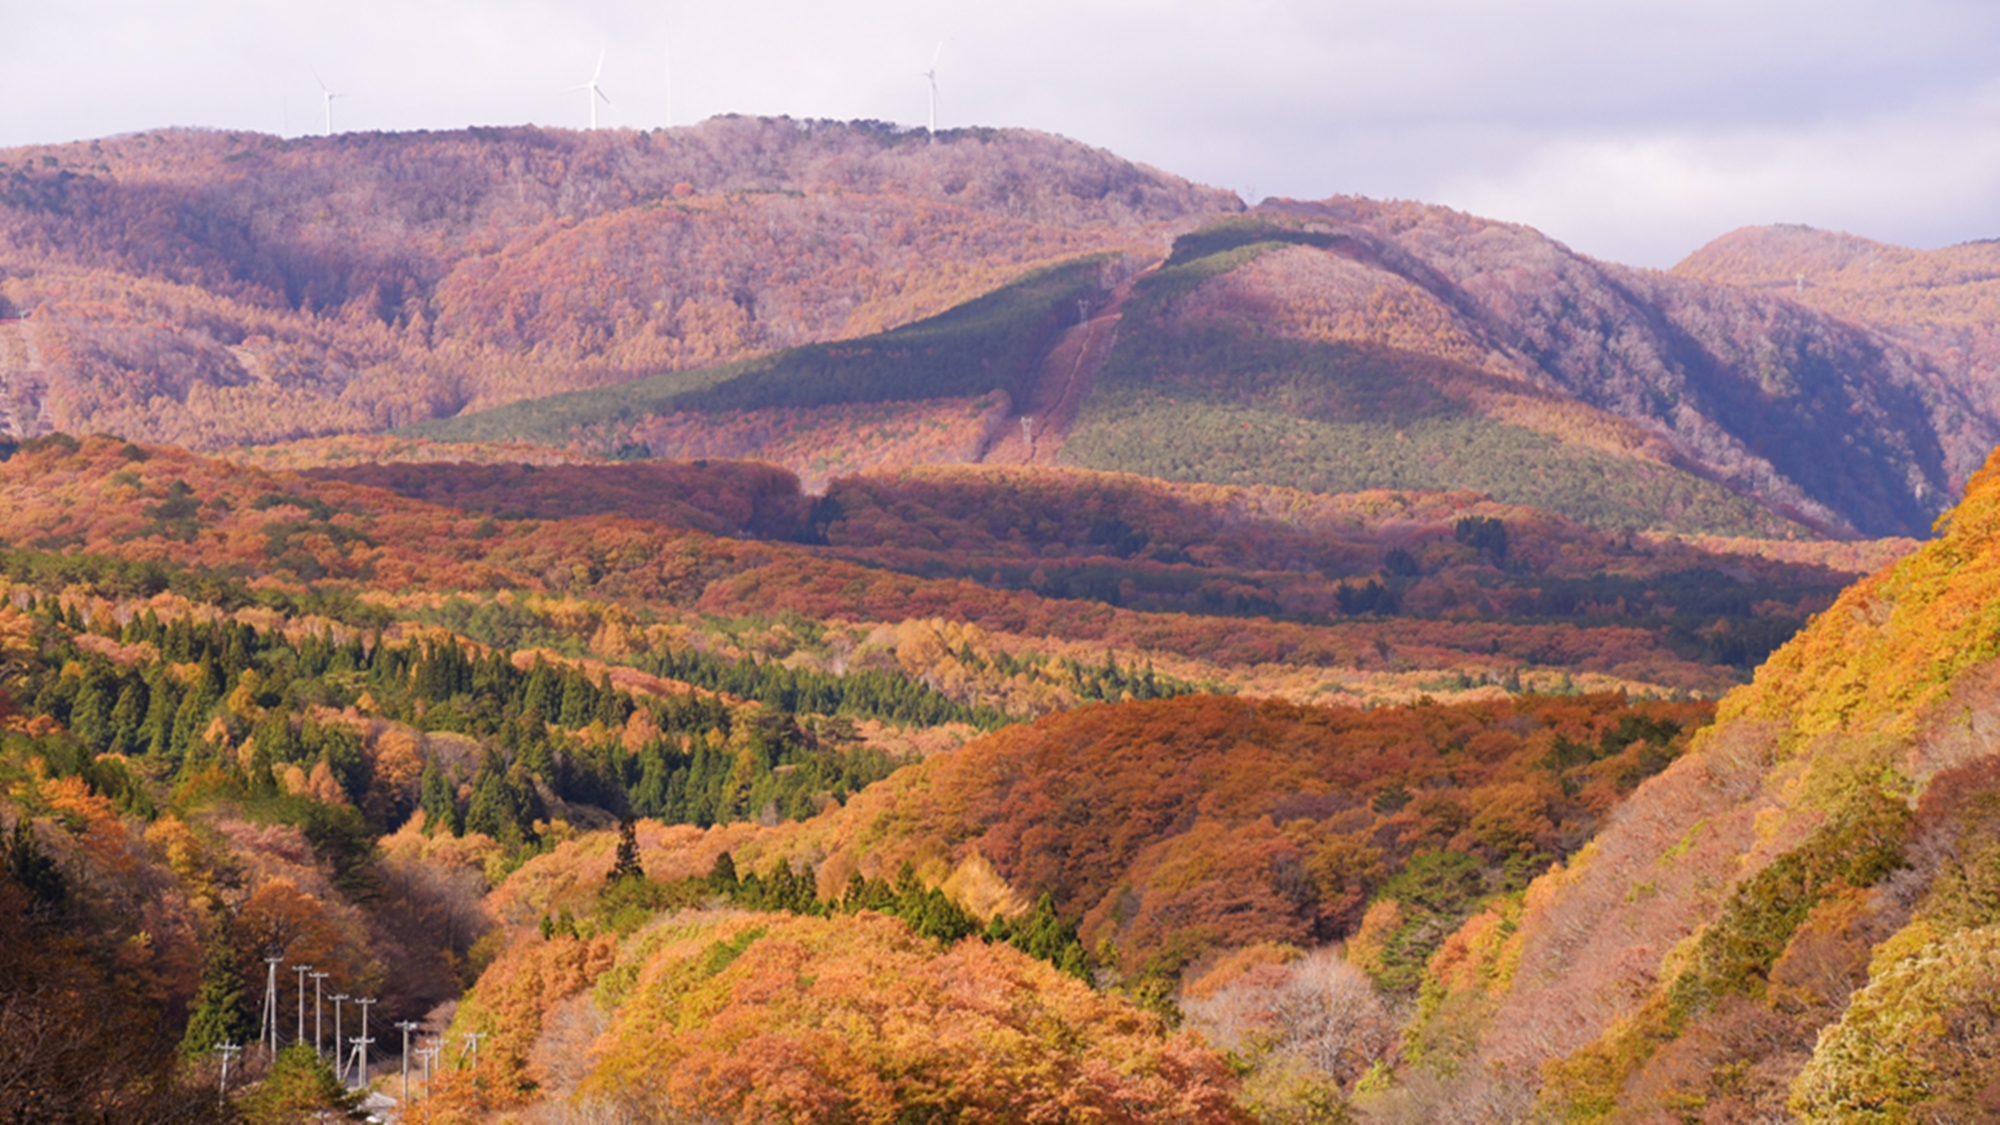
x=835, y=297
x=1946, y=301
x=1463, y=352
x=1350, y=345
x=211, y=288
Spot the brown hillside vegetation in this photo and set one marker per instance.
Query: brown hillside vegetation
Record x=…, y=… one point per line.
x=220, y=288
x=649, y=589
x=1762, y=927
x=1181, y=829
x=1503, y=323
x=1945, y=301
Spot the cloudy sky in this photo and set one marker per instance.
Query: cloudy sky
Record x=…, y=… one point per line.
x=1632, y=129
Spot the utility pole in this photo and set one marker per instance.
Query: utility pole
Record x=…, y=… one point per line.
x=339, y=1056
x=267, y=1034
x=227, y=1051
x=302, y=970
x=472, y=1039
x=361, y=1043
x=407, y=1026
x=1028, y=431
x=317, y=978
x=430, y=1055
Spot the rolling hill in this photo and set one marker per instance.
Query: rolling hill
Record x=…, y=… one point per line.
x=1345, y=346
x=1791, y=919
x=213, y=288
x=1350, y=343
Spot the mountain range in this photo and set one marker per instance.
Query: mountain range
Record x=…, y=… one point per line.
x=221, y=289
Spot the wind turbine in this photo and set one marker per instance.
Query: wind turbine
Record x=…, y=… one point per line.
x=329, y=95
x=932, y=75
x=591, y=86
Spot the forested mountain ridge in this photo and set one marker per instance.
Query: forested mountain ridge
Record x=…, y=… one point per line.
x=1341, y=310
x=216, y=288
x=1349, y=345
x=1945, y=301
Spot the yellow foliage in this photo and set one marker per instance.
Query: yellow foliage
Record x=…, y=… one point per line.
x=1366, y=948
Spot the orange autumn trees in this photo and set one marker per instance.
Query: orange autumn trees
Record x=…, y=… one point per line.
x=1180, y=828
x=748, y=1018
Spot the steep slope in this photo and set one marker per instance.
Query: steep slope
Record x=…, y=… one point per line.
x=1743, y=938
x=1946, y=301
x=212, y=288
x=1349, y=343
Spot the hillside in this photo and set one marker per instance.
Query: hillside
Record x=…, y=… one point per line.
x=221, y=288
x=1351, y=344
x=1794, y=917
x=1945, y=301
x=1347, y=346
x=986, y=349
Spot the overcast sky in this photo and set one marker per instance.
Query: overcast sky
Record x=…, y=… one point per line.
x=1634, y=131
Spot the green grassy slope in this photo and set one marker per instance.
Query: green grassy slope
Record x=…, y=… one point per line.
x=991, y=343
x=1217, y=403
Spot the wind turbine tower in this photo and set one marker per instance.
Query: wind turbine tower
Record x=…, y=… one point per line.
x=931, y=74
x=595, y=93
x=328, y=95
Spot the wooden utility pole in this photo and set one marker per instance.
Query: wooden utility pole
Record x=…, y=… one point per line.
x=407, y=1026
x=430, y=1055
x=227, y=1051
x=317, y=978
x=339, y=1056
x=267, y=1034
x=302, y=970
x=361, y=1043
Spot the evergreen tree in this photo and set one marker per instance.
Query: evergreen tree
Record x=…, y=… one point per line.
x=300, y=1086
x=626, y=866
x=23, y=860
x=439, y=804
x=221, y=1010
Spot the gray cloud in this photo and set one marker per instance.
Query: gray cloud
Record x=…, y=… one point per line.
x=1634, y=131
